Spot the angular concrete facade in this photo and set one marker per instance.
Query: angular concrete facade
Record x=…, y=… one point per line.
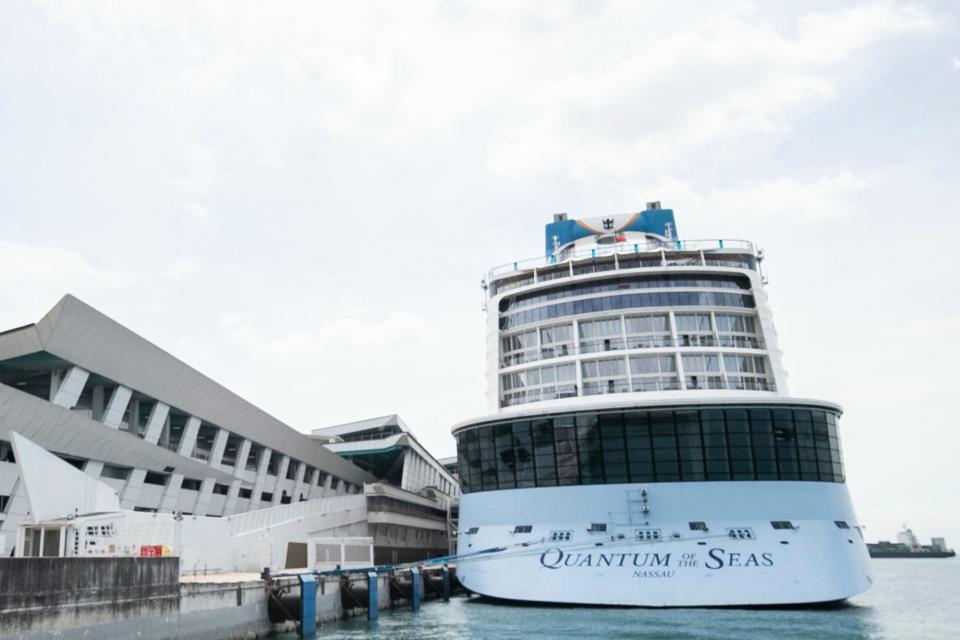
x=163, y=435
x=386, y=447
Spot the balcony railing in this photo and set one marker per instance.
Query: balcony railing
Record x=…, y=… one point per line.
x=606, y=345
x=627, y=248
x=637, y=384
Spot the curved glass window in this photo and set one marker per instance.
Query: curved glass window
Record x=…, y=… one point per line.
x=632, y=301
x=717, y=443
x=626, y=282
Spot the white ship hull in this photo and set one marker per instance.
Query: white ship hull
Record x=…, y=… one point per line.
x=815, y=562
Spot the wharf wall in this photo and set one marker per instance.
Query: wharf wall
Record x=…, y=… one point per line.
x=47, y=595
x=146, y=599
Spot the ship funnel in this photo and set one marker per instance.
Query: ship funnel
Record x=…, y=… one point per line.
x=653, y=205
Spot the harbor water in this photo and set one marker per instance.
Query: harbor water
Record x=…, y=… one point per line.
x=912, y=599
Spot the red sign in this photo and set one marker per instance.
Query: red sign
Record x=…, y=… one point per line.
x=151, y=551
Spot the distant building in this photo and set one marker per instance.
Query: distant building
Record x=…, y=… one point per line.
x=450, y=464
x=386, y=448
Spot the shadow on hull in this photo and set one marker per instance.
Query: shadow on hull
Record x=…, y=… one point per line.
x=827, y=604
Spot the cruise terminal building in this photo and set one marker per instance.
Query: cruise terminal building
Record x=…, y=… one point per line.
x=163, y=435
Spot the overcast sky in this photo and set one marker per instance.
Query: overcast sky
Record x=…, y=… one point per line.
x=300, y=199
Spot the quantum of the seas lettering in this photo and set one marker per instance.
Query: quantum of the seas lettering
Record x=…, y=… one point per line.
x=656, y=565
x=556, y=558
x=719, y=558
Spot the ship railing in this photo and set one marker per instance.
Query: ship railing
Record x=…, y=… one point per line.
x=593, y=346
x=622, y=248
x=647, y=383
x=618, y=344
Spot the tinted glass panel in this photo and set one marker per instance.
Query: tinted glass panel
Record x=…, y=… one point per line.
x=665, y=445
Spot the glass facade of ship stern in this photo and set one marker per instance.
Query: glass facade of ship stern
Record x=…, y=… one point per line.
x=677, y=444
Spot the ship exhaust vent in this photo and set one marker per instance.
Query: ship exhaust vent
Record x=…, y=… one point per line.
x=653, y=205
x=559, y=217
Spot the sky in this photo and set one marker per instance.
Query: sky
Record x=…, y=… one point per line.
x=300, y=199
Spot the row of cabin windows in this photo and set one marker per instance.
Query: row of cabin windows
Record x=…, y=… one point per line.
x=632, y=301
x=623, y=283
x=742, y=533
x=664, y=445
x=631, y=332
x=646, y=373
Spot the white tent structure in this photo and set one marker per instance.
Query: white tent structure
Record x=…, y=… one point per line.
x=56, y=489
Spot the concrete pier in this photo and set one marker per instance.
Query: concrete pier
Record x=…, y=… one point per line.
x=147, y=599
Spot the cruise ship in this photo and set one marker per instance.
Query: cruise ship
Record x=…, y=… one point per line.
x=641, y=447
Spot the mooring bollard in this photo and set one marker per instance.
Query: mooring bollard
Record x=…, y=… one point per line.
x=415, y=587
x=371, y=595
x=446, y=583
x=308, y=604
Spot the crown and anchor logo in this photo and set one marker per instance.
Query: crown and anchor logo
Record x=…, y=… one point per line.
x=608, y=223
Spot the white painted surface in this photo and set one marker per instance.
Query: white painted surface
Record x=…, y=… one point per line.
x=56, y=489
x=119, y=399
x=188, y=440
x=70, y=387
x=820, y=562
x=158, y=416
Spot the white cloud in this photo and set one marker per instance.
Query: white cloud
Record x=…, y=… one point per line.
x=200, y=215
x=200, y=172
x=353, y=331
x=824, y=197
x=180, y=268
x=688, y=97
x=37, y=276
x=348, y=144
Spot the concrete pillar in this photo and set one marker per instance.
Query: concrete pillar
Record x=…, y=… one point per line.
x=171, y=492
x=202, y=504
x=93, y=468
x=298, y=484
x=18, y=510
x=233, y=496
x=405, y=475
x=66, y=392
x=281, y=479
x=113, y=414
x=243, y=452
x=131, y=490
x=189, y=438
x=309, y=482
x=422, y=468
x=158, y=417
x=261, y=480
x=316, y=490
x=419, y=467
x=327, y=484
x=219, y=444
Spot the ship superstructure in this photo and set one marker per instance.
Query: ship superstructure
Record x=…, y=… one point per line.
x=641, y=446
